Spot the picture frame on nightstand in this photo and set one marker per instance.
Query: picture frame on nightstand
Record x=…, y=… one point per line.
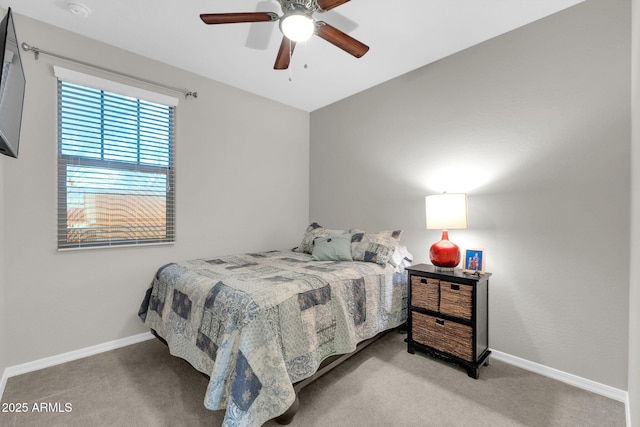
x=473, y=261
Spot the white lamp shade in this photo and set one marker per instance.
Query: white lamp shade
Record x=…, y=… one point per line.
x=446, y=211
x=297, y=27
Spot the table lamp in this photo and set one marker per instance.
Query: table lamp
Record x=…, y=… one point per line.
x=446, y=212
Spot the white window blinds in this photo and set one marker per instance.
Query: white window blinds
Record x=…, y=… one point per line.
x=115, y=168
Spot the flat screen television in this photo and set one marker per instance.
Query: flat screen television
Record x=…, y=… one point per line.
x=12, y=85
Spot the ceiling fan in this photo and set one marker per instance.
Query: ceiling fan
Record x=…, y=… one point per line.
x=296, y=25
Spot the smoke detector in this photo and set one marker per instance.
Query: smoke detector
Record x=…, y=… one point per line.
x=79, y=9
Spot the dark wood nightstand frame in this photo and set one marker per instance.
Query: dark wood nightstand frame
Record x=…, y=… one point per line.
x=479, y=321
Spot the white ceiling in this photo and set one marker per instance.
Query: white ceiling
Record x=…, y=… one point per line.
x=402, y=34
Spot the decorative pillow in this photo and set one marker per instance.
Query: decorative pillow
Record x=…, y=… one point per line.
x=313, y=232
x=374, y=247
x=401, y=257
x=334, y=248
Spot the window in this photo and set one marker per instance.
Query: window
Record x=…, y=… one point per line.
x=115, y=167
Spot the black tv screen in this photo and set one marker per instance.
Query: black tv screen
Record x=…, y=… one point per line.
x=12, y=85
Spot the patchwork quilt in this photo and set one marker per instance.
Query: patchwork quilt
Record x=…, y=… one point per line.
x=256, y=323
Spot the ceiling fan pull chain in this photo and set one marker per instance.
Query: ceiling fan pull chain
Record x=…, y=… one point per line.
x=305, y=55
x=290, y=54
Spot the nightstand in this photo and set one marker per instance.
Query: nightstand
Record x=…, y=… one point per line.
x=448, y=316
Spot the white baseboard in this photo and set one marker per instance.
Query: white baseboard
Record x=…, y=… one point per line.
x=47, y=362
x=627, y=405
x=574, y=380
x=3, y=383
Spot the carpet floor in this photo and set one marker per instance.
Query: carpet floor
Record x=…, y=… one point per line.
x=143, y=385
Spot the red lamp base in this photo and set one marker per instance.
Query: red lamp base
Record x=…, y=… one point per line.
x=444, y=254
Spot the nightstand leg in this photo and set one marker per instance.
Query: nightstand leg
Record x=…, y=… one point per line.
x=473, y=373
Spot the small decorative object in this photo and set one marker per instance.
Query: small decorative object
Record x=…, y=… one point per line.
x=446, y=212
x=474, y=261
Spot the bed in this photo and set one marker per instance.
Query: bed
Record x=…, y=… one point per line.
x=259, y=323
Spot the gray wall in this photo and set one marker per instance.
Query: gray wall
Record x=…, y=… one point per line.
x=242, y=185
x=535, y=126
x=634, y=294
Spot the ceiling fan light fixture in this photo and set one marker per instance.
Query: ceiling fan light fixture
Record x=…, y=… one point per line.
x=297, y=26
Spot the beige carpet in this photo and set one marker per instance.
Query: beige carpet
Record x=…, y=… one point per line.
x=142, y=385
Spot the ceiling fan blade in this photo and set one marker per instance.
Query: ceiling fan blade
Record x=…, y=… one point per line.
x=232, y=18
x=284, y=54
x=340, y=39
x=325, y=5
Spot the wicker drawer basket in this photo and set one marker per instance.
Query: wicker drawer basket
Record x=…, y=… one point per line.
x=456, y=300
x=425, y=293
x=444, y=335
